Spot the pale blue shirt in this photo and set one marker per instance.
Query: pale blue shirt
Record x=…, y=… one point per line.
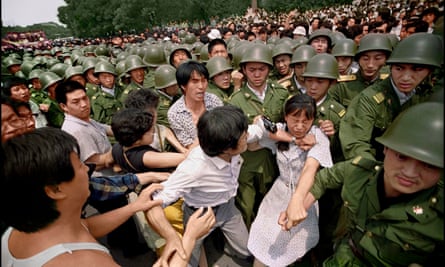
x=202, y=180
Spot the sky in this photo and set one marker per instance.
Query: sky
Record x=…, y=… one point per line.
x=29, y=12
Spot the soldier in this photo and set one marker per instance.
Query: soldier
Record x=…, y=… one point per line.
x=411, y=63
x=154, y=57
x=136, y=69
x=281, y=57
x=178, y=55
x=106, y=102
x=321, y=40
x=258, y=96
x=299, y=60
x=393, y=212
x=220, y=80
x=75, y=73
x=92, y=85
x=168, y=90
x=372, y=53
x=50, y=107
x=344, y=51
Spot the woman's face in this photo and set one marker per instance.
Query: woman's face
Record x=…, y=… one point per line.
x=298, y=124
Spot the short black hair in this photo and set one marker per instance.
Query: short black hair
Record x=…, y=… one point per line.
x=144, y=99
x=9, y=82
x=214, y=42
x=185, y=70
x=67, y=87
x=220, y=129
x=31, y=162
x=130, y=124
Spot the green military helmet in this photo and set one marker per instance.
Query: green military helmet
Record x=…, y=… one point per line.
x=257, y=53
x=196, y=48
x=238, y=53
x=134, y=62
x=75, y=56
x=190, y=38
x=56, y=50
x=177, y=48
x=122, y=56
x=321, y=33
x=182, y=33
x=344, y=48
x=374, y=42
x=285, y=40
x=165, y=76
x=413, y=137
x=51, y=62
x=419, y=48
x=11, y=61
x=14, y=55
x=300, y=40
x=217, y=64
x=102, y=50
x=140, y=51
x=155, y=56
x=302, y=54
x=89, y=50
x=48, y=78
x=322, y=65
x=282, y=49
x=121, y=69
x=20, y=75
x=35, y=73
x=204, y=53
x=27, y=66
x=393, y=39
x=103, y=66
x=337, y=36
x=59, y=69
x=72, y=71
x=89, y=63
x=273, y=40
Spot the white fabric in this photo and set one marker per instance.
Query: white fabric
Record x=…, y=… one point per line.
x=44, y=256
x=267, y=242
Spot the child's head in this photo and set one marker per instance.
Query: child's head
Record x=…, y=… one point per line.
x=131, y=125
x=221, y=129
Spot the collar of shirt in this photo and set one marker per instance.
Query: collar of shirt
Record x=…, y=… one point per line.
x=108, y=90
x=322, y=100
x=402, y=96
x=260, y=95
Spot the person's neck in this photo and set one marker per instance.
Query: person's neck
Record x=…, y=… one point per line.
x=194, y=106
x=226, y=157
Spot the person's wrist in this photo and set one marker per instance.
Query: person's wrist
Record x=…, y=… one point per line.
x=293, y=139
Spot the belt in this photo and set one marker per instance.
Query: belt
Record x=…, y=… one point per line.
x=214, y=208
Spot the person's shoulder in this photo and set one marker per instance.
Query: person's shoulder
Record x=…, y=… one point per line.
x=334, y=106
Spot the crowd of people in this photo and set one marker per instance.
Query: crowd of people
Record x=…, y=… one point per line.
x=302, y=137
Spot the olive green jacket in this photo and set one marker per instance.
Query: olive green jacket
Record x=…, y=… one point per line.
x=390, y=233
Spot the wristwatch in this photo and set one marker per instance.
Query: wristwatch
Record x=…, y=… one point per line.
x=293, y=139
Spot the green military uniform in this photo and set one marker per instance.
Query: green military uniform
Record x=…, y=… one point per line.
x=165, y=101
x=55, y=115
x=369, y=114
x=224, y=95
x=349, y=86
x=333, y=111
x=104, y=105
x=259, y=169
x=149, y=80
x=376, y=233
x=130, y=87
x=92, y=89
x=38, y=96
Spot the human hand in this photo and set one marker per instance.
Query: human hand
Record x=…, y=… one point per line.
x=145, y=201
x=200, y=223
x=294, y=214
x=44, y=107
x=173, y=245
x=237, y=79
x=327, y=127
x=152, y=177
x=307, y=142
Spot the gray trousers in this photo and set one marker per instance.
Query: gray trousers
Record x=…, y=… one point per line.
x=231, y=223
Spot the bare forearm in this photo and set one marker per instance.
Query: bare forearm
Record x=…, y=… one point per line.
x=102, y=224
